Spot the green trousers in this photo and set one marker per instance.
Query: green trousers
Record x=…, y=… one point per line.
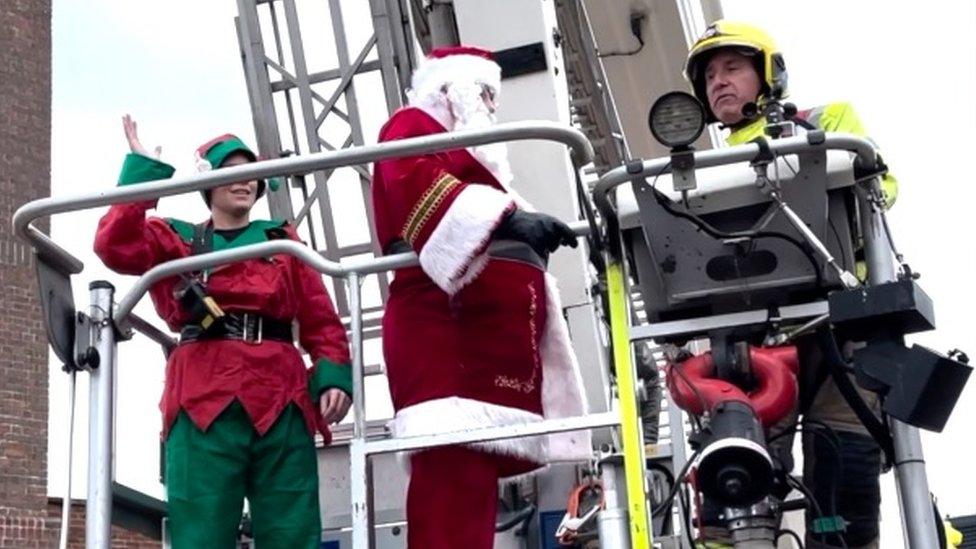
x=208, y=475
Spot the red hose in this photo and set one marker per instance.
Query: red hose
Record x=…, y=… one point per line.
x=695, y=389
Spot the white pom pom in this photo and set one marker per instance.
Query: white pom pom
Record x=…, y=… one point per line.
x=202, y=164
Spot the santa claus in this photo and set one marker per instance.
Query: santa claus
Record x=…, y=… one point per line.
x=475, y=336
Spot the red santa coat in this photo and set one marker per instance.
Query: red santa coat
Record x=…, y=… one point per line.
x=470, y=340
x=204, y=377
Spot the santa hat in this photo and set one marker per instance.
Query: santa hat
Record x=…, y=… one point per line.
x=455, y=64
x=212, y=155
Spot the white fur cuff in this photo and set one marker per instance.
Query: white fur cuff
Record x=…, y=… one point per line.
x=452, y=256
x=453, y=414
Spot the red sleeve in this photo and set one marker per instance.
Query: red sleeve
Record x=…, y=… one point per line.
x=320, y=331
x=417, y=199
x=129, y=243
x=416, y=190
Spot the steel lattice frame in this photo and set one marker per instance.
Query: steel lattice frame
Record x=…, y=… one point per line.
x=288, y=106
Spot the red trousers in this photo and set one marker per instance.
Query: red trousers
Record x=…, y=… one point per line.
x=452, y=500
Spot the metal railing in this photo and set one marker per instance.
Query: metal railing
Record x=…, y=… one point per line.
x=864, y=149
x=106, y=320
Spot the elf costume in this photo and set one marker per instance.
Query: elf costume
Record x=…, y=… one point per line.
x=239, y=407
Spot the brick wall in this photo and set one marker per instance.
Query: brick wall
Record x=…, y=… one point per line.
x=27, y=517
x=121, y=538
x=25, y=129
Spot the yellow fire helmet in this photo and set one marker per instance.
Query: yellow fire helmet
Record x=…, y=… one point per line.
x=748, y=39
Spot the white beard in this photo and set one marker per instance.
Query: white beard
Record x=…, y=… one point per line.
x=462, y=108
x=471, y=113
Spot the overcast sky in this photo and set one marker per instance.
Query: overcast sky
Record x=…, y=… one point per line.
x=909, y=70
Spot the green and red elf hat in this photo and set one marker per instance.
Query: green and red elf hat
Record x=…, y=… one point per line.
x=212, y=155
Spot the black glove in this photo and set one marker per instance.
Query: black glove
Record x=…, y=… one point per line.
x=544, y=233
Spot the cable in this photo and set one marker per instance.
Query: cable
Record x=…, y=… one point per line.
x=837, y=364
x=705, y=227
x=686, y=511
x=749, y=235
x=891, y=242
x=940, y=529
x=872, y=175
x=792, y=534
x=594, y=240
x=816, y=506
x=831, y=437
x=669, y=477
x=666, y=504
x=523, y=516
x=877, y=199
x=671, y=366
x=840, y=245
x=794, y=483
x=831, y=434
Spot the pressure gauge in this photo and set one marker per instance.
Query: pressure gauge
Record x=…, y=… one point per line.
x=676, y=119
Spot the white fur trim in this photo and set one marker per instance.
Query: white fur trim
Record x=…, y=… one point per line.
x=438, y=107
x=454, y=414
x=452, y=256
x=494, y=158
x=433, y=74
x=201, y=163
x=562, y=384
x=562, y=397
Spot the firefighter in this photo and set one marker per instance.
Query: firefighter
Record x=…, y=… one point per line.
x=732, y=65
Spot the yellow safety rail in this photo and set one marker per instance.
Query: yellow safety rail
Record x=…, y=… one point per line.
x=633, y=445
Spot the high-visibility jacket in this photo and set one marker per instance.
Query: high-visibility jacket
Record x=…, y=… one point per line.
x=833, y=117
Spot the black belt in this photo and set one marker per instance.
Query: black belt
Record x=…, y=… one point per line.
x=247, y=327
x=500, y=249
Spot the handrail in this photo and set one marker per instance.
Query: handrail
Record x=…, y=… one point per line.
x=581, y=153
x=867, y=157
x=146, y=328
x=312, y=258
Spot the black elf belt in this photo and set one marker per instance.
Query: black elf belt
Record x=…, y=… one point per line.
x=246, y=327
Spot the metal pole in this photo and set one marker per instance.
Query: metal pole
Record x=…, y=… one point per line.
x=361, y=491
x=443, y=26
x=66, y=503
x=912, y=482
x=98, y=520
x=257, y=80
x=359, y=468
x=612, y=525
x=356, y=326
x=913, y=487
x=679, y=456
x=846, y=277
